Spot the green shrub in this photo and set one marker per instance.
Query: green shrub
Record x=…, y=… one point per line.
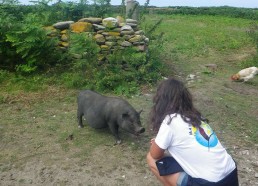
x=3, y=75
x=35, y=50
x=123, y=72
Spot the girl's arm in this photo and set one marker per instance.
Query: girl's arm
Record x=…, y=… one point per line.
x=155, y=151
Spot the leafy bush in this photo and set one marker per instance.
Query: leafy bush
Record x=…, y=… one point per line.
x=123, y=72
x=3, y=75
x=26, y=48
x=100, y=8
x=83, y=45
x=35, y=50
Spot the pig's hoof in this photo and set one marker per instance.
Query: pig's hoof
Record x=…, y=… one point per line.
x=80, y=126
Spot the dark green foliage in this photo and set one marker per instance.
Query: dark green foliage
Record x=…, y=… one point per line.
x=100, y=8
x=26, y=48
x=34, y=50
x=24, y=45
x=126, y=70
x=68, y=11
x=123, y=72
x=84, y=46
x=245, y=13
x=8, y=54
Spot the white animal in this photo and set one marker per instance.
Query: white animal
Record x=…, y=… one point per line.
x=245, y=74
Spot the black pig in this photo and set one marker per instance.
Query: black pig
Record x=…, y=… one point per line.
x=113, y=112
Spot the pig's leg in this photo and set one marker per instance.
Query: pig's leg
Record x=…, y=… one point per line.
x=79, y=117
x=114, y=129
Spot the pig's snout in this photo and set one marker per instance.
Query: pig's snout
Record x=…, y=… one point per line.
x=142, y=130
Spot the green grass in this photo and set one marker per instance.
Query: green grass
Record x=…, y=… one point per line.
x=199, y=35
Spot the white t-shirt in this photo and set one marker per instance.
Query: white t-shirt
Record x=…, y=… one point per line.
x=198, y=151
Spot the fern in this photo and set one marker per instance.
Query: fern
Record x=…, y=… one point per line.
x=31, y=43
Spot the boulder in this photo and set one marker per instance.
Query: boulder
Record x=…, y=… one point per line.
x=93, y=20
x=99, y=38
x=126, y=44
x=79, y=27
x=110, y=22
x=63, y=25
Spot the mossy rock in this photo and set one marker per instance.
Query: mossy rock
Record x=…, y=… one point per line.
x=79, y=27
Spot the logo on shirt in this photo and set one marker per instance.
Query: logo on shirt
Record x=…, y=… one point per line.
x=204, y=135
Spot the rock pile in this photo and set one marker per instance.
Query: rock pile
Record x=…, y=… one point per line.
x=109, y=33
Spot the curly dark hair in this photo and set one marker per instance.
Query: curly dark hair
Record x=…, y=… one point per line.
x=173, y=97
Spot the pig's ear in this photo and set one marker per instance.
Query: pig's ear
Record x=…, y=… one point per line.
x=140, y=112
x=125, y=115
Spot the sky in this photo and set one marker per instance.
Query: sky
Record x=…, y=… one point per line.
x=191, y=3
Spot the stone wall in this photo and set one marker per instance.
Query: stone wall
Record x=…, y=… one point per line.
x=109, y=33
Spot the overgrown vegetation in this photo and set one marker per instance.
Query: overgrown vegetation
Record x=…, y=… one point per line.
x=27, y=53
x=26, y=50
x=225, y=11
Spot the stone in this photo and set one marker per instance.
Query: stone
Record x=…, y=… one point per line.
x=139, y=32
x=121, y=24
x=127, y=27
x=112, y=38
x=138, y=43
x=100, y=39
x=256, y=175
x=104, y=47
x=146, y=40
x=104, y=33
x=93, y=20
x=131, y=21
x=127, y=32
x=63, y=25
x=110, y=22
x=51, y=31
x=98, y=27
x=79, y=27
x=110, y=43
x=120, y=19
x=64, y=31
x=101, y=57
x=136, y=38
x=64, y=37
x=100, y=31
x=126, y=44
x=127, y=37
x=132, y=25
x=110, y=34
x=113, y=33
x=64, y=44
x=116, y=30
x=140, y=48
